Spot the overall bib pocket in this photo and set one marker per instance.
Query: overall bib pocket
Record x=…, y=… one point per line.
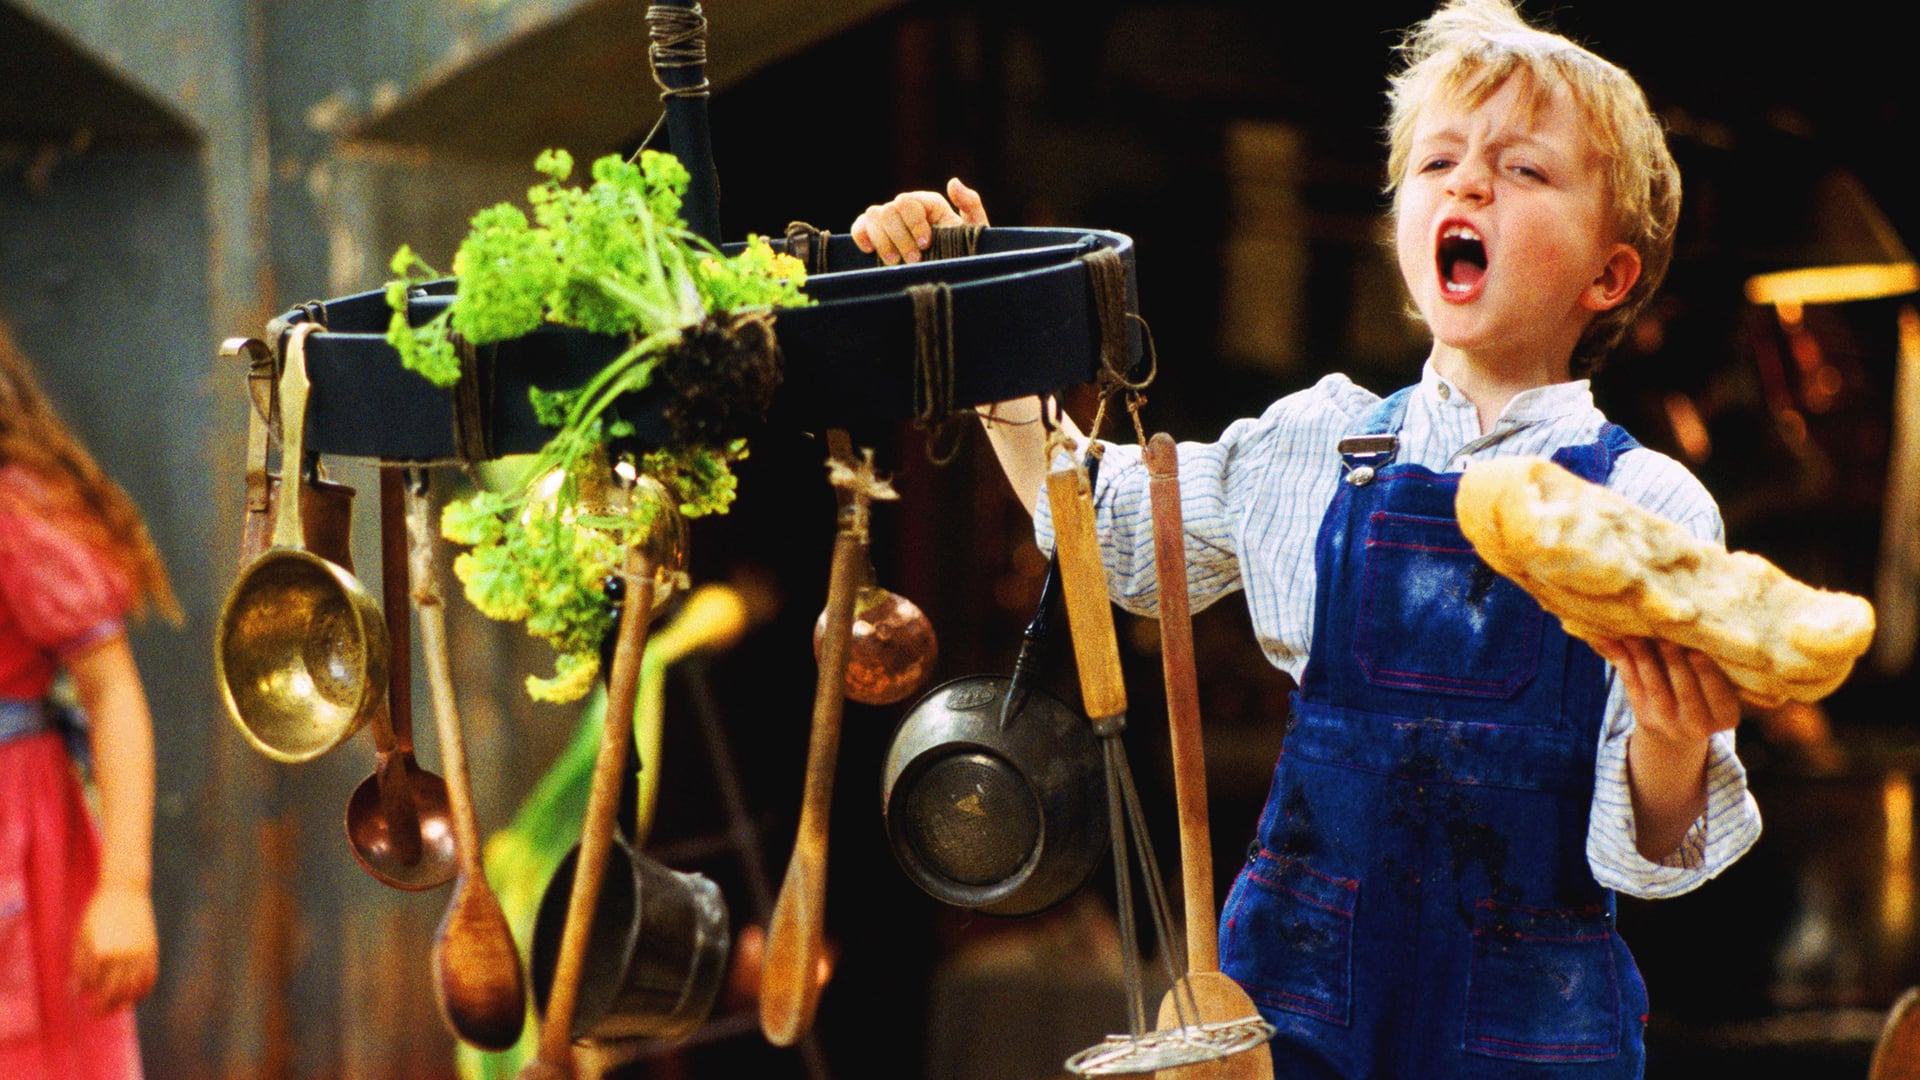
x=1288, y=937
x=1542, y=986
x=1436, y=618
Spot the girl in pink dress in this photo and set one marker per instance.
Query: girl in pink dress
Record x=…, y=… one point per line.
x=78, y=946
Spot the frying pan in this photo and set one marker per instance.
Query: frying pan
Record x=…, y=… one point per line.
x=993, y=791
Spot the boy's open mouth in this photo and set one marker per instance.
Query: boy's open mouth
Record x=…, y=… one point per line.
x=1462, y=259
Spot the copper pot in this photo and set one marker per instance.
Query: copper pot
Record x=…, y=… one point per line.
x=893, y=648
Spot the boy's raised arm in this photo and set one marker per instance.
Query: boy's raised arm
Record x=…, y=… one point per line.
x=1019, y=441
x=898, y=230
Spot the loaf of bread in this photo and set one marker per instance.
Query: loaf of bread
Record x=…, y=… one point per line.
x=1609, y=569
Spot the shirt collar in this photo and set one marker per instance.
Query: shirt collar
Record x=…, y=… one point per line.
x=1550, y=402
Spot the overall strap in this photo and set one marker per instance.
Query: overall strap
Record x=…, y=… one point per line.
x=1374, y=441
x=1593, y=462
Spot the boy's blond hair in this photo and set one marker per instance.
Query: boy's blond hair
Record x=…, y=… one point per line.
x=1468, y=49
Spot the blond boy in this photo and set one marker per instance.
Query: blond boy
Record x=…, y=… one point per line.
x=1463, y=786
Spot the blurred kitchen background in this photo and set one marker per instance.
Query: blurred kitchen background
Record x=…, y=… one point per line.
x=176, y=172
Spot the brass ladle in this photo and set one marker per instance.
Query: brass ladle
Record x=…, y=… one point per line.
x=398, y=821
x=300, y=654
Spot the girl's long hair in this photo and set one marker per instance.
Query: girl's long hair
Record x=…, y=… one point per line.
x=81, y=497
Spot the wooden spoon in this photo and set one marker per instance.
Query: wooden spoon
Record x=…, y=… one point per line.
x=554, y=1060
x=796, y=937
x=1215, y=996
x=476, y=967
x=1896, y=1054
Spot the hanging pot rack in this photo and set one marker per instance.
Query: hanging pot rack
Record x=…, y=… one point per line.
x=1025, y=318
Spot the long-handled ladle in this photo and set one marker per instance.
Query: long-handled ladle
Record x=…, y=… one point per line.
x=398, y=821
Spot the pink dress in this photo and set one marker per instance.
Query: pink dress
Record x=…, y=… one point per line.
x=58, y=598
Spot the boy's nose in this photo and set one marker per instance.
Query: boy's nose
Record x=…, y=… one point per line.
x=1470, y=180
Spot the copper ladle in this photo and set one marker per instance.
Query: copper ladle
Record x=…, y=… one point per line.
x=399, y=825
x=892, y=651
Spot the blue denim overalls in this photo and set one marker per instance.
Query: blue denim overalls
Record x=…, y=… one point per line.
x=1419, y=902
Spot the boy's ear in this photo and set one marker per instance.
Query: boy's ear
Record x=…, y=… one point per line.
x=1615, y=280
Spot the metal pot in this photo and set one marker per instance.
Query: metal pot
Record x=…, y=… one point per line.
x=1006, y=818
x=656, y=952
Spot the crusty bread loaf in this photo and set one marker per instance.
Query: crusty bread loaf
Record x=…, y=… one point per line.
x=1609, y=569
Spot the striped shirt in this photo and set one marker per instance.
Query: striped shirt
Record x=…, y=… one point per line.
x=1252, y=504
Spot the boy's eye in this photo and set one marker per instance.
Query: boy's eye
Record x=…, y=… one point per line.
x=1529, y=172
x=1435, y=164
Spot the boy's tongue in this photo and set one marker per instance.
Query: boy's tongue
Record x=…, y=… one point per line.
x=1463, y=275
x=1463, y=261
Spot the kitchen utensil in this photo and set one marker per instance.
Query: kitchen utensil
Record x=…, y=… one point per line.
x=1896, y=1054
x=656, y=952
x=398, y=822
x=555, y=1059
x=476, y=968
x=664, y=546
x=1204, y=994
x=892, y=648
x=990, y=804
x=301, y=649
x=1103, y=693
x=657, y=949
x=326, y=508
x=790, y=991
x=1032, y=640
x=1003, y=818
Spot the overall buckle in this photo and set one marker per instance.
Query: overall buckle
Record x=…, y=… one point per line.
x=1365, y=455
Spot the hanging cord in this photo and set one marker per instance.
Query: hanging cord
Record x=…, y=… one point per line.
x=933, y=411
x=809, y=245
x=954, y=241
x=1135, y=402
x=678, y=37
x=1107, y=273
x=470, y=435
x=316, y=313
